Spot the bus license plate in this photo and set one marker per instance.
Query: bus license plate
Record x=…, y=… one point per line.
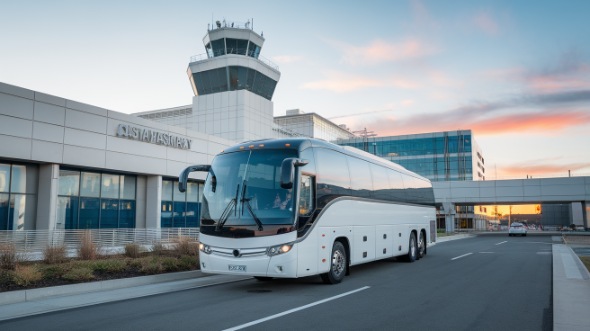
x=237, y=268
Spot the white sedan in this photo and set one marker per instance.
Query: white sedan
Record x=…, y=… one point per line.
x=517, y=228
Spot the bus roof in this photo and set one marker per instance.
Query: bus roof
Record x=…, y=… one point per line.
x=301, y=143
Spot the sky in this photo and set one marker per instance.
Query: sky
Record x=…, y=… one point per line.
x=515, y=72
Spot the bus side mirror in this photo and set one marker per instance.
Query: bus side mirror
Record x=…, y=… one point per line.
x=288, y=171
x=183, y=177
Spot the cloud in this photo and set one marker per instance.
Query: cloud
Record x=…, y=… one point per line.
x=539, y=168
x=287, y=59
x=380, y=51
x=343, y=83
x=486, y=23
x=540, y=113
x=569, y=72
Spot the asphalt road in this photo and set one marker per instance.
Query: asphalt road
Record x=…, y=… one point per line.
x=482, y=283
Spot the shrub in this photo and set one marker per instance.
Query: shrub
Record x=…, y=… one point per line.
x=170, y=264
x=26, y=275
x=151, y=266
x=88, y=250
x=132, y=250
x=109, y=265
x=8, y=257
x=54, y=254
x=186, y=246
x=55, y=270
x=79, y=274
x=187, y=262
x=158, y=248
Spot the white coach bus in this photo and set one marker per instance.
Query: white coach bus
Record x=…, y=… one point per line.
x=300, y=207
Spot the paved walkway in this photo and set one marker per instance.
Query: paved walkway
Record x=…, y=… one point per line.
x=571, y=290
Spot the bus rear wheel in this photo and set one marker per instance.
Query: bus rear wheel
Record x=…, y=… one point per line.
x=338, y=265
x=412, y=249
x=421, y=245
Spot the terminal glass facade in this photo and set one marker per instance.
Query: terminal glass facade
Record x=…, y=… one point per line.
x=93, y=200
x=18, y=195
x=181, y=210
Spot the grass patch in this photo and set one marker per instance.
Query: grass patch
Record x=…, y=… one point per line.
x=26, y=275
x=586, y=261
x=54, y=254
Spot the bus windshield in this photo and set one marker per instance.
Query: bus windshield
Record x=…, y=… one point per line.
x=243, y=197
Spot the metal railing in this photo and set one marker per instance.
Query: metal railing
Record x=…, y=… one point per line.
x=204, y=56
x=35, y=241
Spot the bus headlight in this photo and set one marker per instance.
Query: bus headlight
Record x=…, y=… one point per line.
x=204, y=248
x=279, y=249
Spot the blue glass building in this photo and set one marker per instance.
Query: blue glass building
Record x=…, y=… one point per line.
x=438, y=156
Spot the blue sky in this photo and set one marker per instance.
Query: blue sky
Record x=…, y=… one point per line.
x=515, y=72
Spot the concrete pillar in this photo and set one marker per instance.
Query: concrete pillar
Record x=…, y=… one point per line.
x=153, y=202
x=449, y=212
x=586, y=214
x=577, y=215
x=47, y=198
x=140, y=202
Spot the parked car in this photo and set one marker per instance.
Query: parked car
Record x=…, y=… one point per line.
x=517, y=228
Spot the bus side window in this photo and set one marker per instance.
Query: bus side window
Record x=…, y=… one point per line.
x=306, y=196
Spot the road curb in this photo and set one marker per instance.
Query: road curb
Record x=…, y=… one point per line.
x=12, y=297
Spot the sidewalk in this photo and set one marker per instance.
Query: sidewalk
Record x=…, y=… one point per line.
x=24, y=303
x=571, y=291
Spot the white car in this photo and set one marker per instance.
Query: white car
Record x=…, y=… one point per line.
x=517, y=228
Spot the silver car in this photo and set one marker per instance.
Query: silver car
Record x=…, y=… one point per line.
x=517, y=228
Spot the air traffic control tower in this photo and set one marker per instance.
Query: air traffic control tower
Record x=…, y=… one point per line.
x=233, y=85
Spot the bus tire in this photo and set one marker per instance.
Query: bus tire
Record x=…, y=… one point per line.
x=263, y=278
x=412, y=249
x=421, y=245
x=338, y=265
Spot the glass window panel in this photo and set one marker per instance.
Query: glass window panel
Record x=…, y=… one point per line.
x=67, y=213
x=127, y=214
x=166, y=190
x=192, y=192
x=16, y=214
x=110, y=186
x=4, y=177
x=89, y=212
x=90, y=186
x=128, y=187
x=177, y=195
x=4, y=207
x=178, y=220
x=192, y=215
x=18, y=181
x=166, y=214
x=336, y=179
x=109, y=214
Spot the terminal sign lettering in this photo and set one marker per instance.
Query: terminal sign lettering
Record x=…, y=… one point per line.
x=154, y=137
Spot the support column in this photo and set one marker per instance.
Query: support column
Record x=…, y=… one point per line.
x=47, y=198
x=586, y=213
x=153, y=202
x=449, y=211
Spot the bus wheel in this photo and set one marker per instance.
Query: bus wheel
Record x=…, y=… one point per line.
x=262, y=279
x=412, y=249
x=421, y=245
x=338, y=265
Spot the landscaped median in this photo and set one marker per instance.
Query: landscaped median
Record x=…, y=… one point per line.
x=90, y=265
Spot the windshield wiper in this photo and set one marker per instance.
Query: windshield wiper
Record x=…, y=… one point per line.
x=249, y=207
x=227, y=210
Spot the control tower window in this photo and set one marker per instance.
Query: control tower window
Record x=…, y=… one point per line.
x=218, y=47
x=253, y=50
x=236, y=46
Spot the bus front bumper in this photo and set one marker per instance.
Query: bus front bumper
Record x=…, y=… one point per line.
x=282, y=265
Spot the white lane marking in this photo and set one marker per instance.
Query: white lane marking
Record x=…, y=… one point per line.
x=501, y=243
x=460, y=256
x=258, y=321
